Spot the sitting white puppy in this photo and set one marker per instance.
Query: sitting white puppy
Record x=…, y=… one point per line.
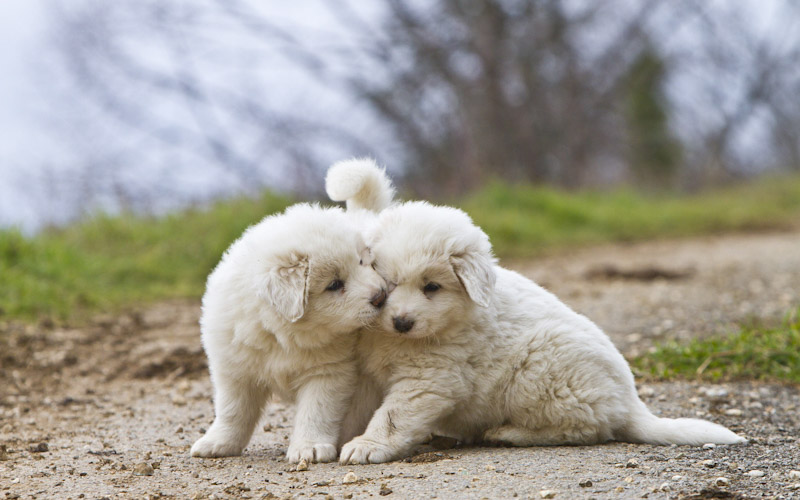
x=467, y=349
x=280, y=314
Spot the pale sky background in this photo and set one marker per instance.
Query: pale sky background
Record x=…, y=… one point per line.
x=33, y=80
x=29, y=69
x=21, y=26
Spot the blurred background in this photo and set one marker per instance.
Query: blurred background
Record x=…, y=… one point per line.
x=146, y=106
x=139, y=138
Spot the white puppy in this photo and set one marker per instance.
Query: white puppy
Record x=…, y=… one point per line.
x=467, y=349
x=279, y=317
x=367, y=190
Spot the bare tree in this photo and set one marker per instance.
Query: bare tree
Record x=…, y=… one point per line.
x=449, y=92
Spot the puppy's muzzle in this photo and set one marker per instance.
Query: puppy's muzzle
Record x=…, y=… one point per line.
x=378, y=299
x=403, y=324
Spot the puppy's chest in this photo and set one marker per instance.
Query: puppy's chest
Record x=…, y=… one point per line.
x=380, y=360
x=385, y=361
x=378, y=367
x=283, y=369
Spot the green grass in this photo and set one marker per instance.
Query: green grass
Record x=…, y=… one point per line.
x=523, y=221
x=754, y=352
x=107, y=263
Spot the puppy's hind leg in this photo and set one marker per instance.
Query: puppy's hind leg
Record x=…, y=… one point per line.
x=237, y=405
x=512, y=435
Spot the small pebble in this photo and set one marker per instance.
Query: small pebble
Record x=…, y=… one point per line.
x=349, y=478
x=184, y=386
x=619, y=466
x=795, y=486
x=716, y=392
x=647, y=391
x=143, y=469
x=733, y=412
x=665, y=487
x=547, y=494
x=619, y=489
x=632, y=463
x=628, y=479
x=709, y=463
x=755, y=473
x=794, y=474
x=39, y=448
x=677, y=477
x=490, y=467
x=301, y=465
x=722, y=482
x=585, y=483
x=709, y=446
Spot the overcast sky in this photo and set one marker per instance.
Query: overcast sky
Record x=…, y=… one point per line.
x=29, y=71
x=33, y=81
x=21, y=24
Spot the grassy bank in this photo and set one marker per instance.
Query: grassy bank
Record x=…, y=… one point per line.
x=523, y=220
x=756, y=352
x=106, y=263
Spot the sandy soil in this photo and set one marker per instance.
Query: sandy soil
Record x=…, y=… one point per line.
x=111, y=409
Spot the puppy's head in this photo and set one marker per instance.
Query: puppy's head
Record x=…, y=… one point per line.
x=438, y=266
x=311, y=267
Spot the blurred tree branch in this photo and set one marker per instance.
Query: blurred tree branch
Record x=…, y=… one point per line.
x=464, y=90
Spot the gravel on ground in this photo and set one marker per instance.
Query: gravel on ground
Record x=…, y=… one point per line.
x=110, y=409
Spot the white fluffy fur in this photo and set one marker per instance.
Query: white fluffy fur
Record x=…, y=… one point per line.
x=491, y=355
x=270, y=327
x=361, y=183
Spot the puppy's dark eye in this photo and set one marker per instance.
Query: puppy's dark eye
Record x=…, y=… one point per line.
x=431, y=287
x=335, y=285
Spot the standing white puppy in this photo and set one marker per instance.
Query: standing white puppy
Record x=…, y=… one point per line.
x=279, y=317
x=465, y=348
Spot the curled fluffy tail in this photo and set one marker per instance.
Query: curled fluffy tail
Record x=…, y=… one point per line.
x=361, y=183
x=644, y=427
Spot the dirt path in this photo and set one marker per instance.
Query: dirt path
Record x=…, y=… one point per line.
x=84, y=411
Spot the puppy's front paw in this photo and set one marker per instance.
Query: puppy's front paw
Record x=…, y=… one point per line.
x=365, y=451
x=311, y=452
x=216, y=445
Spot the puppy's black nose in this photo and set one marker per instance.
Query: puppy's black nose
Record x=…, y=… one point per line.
x=403, y=324
x=378, y=299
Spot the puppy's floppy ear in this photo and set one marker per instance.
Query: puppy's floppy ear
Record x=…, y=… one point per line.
x=285, y=287
x=475, y=271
